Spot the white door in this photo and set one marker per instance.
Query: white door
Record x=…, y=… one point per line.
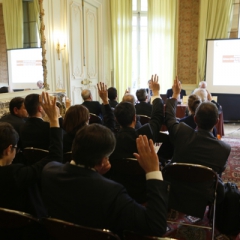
x=84, y=51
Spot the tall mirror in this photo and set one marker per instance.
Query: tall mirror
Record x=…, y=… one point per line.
x=25, y=43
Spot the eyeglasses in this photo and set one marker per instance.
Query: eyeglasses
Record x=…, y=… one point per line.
x=16, y=147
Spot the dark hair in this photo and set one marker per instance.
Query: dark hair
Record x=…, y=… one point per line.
x=4, y=90
x=206, y=115
x=141, y=94
x=31, y=103
x=15, y=102
x=8, y=136
x=75, y=118
x=125, y=113
x=91, y=144
x=193, y=102
x=112, y=93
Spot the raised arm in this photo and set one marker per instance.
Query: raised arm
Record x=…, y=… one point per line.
x=108, y=117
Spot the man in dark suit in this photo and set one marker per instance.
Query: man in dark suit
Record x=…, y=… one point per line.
x=143, y=107
x=125, y=115
x=196, y=146
x=170, y=93
x=93, y=106
x=17, y=115
x=35, y=132
x=78, y=193
x=18, y=182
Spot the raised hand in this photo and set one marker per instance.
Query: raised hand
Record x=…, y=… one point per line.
x=102, y=92
x=155, y=85
x=50, y=108
x=146, y=155
x=176, y=88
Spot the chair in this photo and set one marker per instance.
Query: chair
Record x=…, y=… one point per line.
x=62, y=230
x=67, y=157
x=94, y=119
x=32, y=155
x=144, y=119
x=19, y=225
x=128, y=235
x=130, y=174
x=193, y=188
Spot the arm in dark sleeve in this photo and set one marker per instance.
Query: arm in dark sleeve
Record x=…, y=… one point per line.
x=157, y=117
x=27, y=175
x=108, y=117
x=149, y=220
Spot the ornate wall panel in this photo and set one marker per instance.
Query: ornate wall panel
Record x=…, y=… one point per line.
x=76, y=33
x=188, y=40
x=91, y=37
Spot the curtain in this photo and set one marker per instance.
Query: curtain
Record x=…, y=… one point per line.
x=214, y=23
x=162, y=40
x=121, y=26
x=13, y=23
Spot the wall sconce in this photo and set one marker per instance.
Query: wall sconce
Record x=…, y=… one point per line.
x=59, y=49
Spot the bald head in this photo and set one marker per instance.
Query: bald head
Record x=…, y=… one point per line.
x=86, y=95
x=128, y=98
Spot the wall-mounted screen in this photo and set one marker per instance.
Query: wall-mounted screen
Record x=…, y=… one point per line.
x=223, y=65
x=24, y=68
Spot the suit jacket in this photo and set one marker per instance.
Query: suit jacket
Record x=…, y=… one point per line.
x=170, y=93
x=15, y=121
x=191, y=146
x=84, y=197
x=93, y=107
x=35, y=133
x=126, y=137
x=143, y=108
x=18, y=186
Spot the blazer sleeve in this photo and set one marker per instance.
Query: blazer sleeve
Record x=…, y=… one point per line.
x=27, y=175
x=157, y=117
x=149, y=220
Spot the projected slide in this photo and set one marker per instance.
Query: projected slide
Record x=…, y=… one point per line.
x=223, y=65
x=25, y=67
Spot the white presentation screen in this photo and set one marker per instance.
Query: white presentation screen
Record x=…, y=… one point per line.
x=223, y=66
x=24, y=68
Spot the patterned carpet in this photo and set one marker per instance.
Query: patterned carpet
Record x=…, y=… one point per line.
x=232, y=174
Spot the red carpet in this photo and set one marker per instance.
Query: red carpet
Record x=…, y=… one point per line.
x=232, y=174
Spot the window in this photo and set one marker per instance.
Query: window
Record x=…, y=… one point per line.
x=139, y=45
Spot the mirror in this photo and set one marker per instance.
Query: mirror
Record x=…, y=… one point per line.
x=37, y=37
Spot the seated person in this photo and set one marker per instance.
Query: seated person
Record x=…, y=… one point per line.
x=205, y=95
x=143, y=107
x=18, y=183
x=78, y=193
x=76, y=117
x=197, y=146
x=170, y=93
x=112, y=96
x=93, y=106
x=126, y=140
x=17, y=115
x=35, y=132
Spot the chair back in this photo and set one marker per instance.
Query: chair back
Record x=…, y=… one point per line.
x=94, y=119
x=67, y=157
x=19, y=225
x=193, y=187
x=62, y=230
x=130, y=174
x=144, y=119
x=32, y=155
